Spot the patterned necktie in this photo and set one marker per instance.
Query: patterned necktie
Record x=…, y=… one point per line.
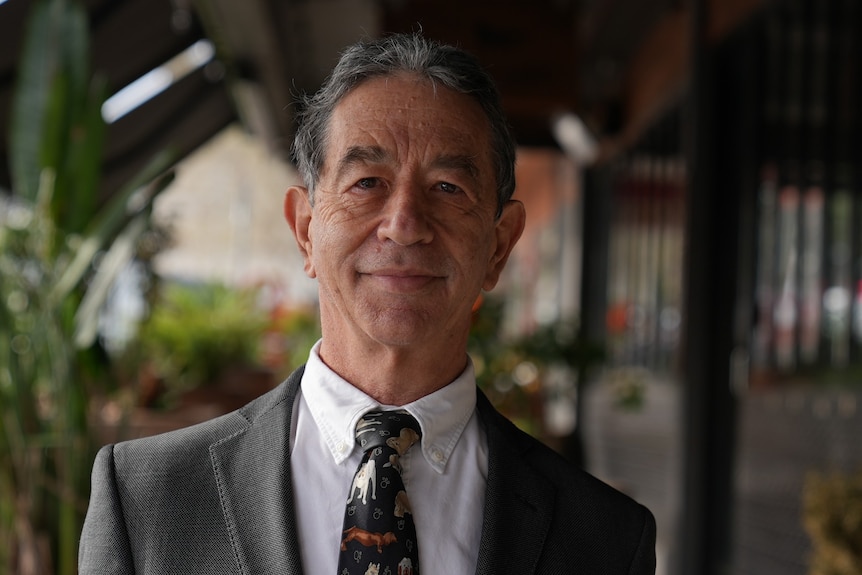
x=379, y=536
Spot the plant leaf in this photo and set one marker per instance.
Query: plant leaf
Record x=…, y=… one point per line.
x=37, y=66
x=84, y=160
x=121, y=252
x=107, y=223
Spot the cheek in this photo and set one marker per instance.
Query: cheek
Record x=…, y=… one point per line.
x=334, y=240
x=474, y=252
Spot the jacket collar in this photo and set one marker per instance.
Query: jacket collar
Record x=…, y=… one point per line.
x=252, y=469
x=519, y=503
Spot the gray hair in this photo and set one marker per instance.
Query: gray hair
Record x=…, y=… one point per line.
x=449, y=66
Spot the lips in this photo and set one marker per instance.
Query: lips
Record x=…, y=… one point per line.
x=402, y=280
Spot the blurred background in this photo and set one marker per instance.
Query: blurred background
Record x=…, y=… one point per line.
x=683, y=316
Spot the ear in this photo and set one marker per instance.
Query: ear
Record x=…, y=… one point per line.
x=297, y=212
x=508, y=230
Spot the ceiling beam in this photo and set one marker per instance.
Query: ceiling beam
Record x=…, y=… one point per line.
x=247, y=40
x=655, y=73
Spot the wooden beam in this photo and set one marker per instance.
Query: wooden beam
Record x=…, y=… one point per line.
x=658, y=70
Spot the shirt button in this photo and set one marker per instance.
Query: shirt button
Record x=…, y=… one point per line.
x=341, y=447
x=437, y=455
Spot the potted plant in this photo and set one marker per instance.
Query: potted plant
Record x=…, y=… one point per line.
x=198, y=343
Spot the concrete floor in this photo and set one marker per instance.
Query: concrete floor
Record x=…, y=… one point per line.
x=783, y=435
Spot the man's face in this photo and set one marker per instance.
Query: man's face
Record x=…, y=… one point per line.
x=402, y=236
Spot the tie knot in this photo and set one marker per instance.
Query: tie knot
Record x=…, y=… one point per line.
x=397, y=430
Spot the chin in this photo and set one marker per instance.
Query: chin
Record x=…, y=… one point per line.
x=402, y=328
x=398, y=337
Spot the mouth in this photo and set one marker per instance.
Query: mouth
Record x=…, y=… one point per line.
x=402, y=280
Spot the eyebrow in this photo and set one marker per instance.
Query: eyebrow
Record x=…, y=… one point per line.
x=460, y=163
x=361, y=155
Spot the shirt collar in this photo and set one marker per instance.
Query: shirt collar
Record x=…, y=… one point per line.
x=336, y=406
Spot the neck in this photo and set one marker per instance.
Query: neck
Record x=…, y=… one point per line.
x=395, y=376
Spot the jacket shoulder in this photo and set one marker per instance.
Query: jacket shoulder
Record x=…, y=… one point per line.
x=191, y=444
x=567, y=479
x=592, y=524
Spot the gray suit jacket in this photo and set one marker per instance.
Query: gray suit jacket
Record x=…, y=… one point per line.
x=217, y=498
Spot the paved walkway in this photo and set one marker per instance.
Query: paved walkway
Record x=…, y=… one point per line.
x=783, y=435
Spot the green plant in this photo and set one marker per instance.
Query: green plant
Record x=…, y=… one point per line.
x=196, y=332
x=832, y=516
x=51, y=232
x=511, y=370
x=291, y=335
x=495, y=359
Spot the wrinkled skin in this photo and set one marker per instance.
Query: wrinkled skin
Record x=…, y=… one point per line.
x=402, y=236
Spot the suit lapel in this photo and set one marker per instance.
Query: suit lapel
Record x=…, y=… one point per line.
x=252, y=470
x=518, y=502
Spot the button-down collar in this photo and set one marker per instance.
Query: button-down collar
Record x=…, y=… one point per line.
x=336, y=407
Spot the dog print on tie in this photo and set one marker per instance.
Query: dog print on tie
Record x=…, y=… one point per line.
x=379, y=535
x=365, y=478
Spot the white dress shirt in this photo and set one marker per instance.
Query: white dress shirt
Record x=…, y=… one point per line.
x=444, y=475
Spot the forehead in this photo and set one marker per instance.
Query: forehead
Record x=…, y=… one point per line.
x=411, y=117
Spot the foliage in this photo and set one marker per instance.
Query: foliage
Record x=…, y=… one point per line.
x=289, y=339
x=495, y=361
x=512, y=372
x=196, y=332
x=52, y=233
x=832, y=507
x=628, y=386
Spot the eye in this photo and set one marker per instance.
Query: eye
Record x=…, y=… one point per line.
x=367, y=183
x=448, y=188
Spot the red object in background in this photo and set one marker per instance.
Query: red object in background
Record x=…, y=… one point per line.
x=616, y=319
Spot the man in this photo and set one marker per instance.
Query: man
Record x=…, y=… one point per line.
x=405, y=217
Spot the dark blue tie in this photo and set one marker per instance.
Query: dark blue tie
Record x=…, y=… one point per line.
x=379, y=537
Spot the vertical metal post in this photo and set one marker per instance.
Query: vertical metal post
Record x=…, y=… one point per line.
x=711, y=271
x=596, y=220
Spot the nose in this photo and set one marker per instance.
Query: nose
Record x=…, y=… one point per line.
x=406, y=217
